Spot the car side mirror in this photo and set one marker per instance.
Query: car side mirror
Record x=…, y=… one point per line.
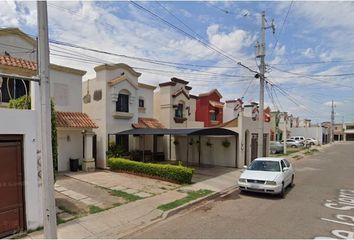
x=285, y=169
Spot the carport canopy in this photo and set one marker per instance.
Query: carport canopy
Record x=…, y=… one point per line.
x=179, y=131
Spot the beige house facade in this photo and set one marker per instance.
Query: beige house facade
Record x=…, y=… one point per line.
x=116, y=101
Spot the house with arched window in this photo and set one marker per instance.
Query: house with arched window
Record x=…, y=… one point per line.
x=117, y=101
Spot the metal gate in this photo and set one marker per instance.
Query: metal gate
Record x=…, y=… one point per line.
x=12, y=219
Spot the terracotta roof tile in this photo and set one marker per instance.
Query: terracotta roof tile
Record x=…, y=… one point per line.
x=74, y=120
x=17, y=62
x=148, y=123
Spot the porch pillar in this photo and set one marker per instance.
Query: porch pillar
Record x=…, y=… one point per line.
x=170, y=148
x=199, y=150
x=187, y=148
x=88, y=164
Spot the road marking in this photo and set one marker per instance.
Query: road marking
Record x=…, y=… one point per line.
x=335, y=221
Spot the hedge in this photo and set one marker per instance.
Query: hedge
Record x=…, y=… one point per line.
x=179, y=174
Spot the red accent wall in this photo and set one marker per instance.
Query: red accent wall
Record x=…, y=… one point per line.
x=202, y=112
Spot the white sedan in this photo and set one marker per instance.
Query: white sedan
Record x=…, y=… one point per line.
x=268, y=175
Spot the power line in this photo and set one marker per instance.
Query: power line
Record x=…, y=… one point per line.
x=282, y=28
x=314, y=75
x=185, y=33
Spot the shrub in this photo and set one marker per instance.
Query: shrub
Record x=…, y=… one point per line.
x=23, y=102
x=226, y=143
x=179, y=174
x=115, y=151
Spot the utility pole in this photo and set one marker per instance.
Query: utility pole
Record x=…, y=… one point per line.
x=332, y=123
x=285, y=134
x=261, y=49
x=49, y=210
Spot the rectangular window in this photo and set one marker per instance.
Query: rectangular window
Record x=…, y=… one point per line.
x=141, y=103
x=13, y=88
x=122, y=104
x=214, y=115
x=179, y=111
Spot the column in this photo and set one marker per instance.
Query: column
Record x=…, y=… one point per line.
x=88, y=163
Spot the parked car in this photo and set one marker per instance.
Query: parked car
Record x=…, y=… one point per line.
x=311, y=141
x=293, y=143
x=267, y=175
x=276, y=147
x=299, y=138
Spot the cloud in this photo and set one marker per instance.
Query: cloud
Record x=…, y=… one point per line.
x=329, y=103
x=309, y=52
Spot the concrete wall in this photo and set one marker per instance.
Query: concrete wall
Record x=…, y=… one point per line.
x=70, y=145
x=96, y=110
x=216, y=154
x=66, y=90
x=148, y=96
x=24, y=122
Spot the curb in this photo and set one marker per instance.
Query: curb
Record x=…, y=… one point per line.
x=211, y=196
x=174, y=211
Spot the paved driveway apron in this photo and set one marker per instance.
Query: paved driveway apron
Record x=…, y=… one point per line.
x=320, y=205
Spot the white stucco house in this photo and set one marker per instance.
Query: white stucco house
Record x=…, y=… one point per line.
x=117, y=101
x=244, y=120
x=20, y=127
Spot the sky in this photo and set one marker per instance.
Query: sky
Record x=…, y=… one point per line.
x=309, y=59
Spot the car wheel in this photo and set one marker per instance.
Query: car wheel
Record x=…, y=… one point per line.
x=293, y=146
x=292, y=181
x=282, y=193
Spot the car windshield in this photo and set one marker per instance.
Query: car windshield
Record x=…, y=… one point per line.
x=262, y=165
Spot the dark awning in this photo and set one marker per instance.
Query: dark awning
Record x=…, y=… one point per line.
x=178, y=131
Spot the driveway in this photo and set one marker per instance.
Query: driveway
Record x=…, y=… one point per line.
x=80, y=193
x=205, y=172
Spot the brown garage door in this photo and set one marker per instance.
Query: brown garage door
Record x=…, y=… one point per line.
x=11, y=187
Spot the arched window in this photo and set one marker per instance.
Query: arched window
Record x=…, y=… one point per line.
x=122, y=104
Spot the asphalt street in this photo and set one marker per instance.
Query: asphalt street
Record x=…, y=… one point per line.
x=321, y=204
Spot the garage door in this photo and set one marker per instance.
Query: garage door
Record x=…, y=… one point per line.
x=350, y=137
x=11, y=187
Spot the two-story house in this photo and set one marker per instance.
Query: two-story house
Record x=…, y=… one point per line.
x=19, y=131
x=117, y=101
x=174, y=106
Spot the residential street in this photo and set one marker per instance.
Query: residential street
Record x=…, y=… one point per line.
x=320, y=179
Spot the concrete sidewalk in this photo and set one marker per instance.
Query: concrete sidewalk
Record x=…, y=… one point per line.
x=123, y=220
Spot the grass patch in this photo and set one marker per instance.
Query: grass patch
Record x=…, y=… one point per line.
x=65, y=209
x=94, y=209
x=35, y=230
x=190, y=197
x=127, y=196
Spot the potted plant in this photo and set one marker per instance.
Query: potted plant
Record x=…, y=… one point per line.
x=226, y=143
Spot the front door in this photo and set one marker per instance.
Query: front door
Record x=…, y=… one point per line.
x=11, y=188
x=254, y=146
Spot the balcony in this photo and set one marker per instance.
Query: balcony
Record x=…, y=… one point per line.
x=122, y=115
